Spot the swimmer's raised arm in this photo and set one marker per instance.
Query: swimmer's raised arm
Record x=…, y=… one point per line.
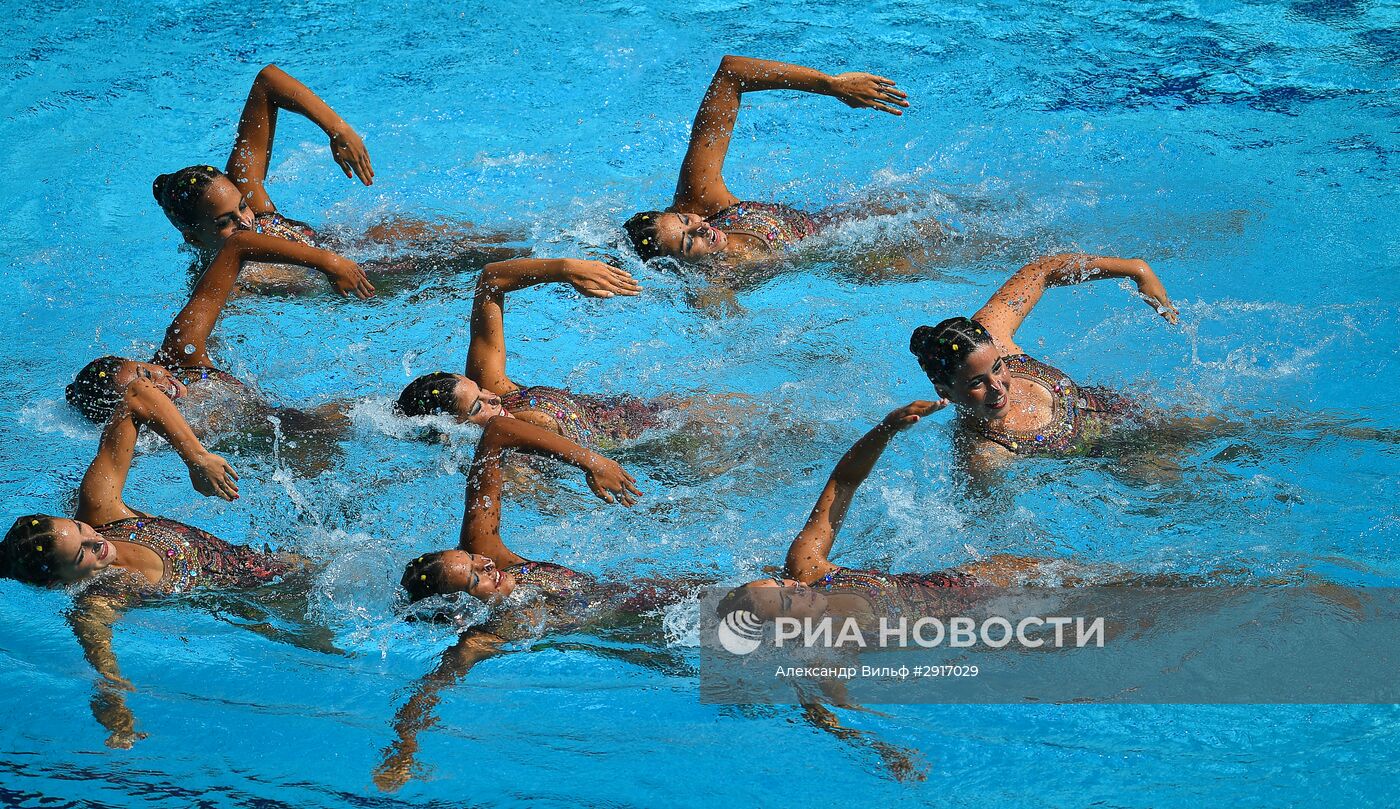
x=701, y=188
x=486, y=355
x=481, y=522
x=186, y=340
x=274, y=89
x=808, y=556
x=1009, y=306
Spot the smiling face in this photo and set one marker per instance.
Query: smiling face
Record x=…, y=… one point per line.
x=474, y=403
x=475, y=575
x=220, y=212
x=158, y=376
x=79, y=551
x=688, y=237
x=982, y=384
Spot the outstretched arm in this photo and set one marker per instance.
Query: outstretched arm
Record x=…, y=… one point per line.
x=700, y=188
x=417, y=714
x=274, y=90
x=91, y=620
x=1009, y=307
x=486, y=356
x=808, y=557
x=187, y=338
x=481, y=522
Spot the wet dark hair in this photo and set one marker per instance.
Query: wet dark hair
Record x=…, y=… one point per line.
x=736, y=599
x=942, y=349
x=27, y=552
x=641, y=230
x=429, y=395
x=179, y=193
x=94, y=390
x=423, y=576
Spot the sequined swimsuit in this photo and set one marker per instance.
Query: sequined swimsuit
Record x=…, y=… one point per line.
x=895, y=593
x=776, y=226
x=1082, y=414
x=275, y=224
x=194, y=558
x=586, y=420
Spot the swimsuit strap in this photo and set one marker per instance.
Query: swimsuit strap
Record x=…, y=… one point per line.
x=560, y=405
x=774, y=225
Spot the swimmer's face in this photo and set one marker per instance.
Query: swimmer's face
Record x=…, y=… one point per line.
x=768, y=599
x=475, y=575
x=688, y=237
x=982, y=384
x=79, y=551
x=160, y=377
x=220, y=213
x=476, y=404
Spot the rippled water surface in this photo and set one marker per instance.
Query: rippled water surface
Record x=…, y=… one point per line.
x=1248, y=151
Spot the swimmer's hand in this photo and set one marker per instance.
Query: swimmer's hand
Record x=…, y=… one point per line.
x=909, y=415
x=213, y=477
x=350, y=279
x=350, y=154
x=611, y=482
x=598, y=280
x=858, y=90
x=1151, y=290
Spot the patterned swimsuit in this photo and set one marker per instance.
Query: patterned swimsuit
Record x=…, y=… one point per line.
x=1082, y=414
x=193, y=558
x=586, y=420
x=275, y=224
x=776, y=226
x=896, y=593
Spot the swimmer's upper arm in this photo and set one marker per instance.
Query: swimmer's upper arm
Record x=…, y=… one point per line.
x=481, y=517
x=100, y=493
x=700, y=189
x=252, y=150
x=486, y=352
x=807, y=560
x=1009, y=306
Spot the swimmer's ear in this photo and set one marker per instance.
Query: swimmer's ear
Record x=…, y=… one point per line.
x=943, y=391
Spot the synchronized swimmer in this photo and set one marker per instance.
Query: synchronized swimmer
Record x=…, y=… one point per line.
x=114, y=556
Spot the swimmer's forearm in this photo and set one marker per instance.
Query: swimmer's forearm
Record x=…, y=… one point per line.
x=287, y=92
x=152, y=407
x=1075, y=268
x=503, y=433
x=519, y=273
x=752, y=75
x=855, y=466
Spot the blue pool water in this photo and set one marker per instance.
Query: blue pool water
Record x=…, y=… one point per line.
x=1248, y=150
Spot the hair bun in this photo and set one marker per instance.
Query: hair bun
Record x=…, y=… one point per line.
x=919, y=340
